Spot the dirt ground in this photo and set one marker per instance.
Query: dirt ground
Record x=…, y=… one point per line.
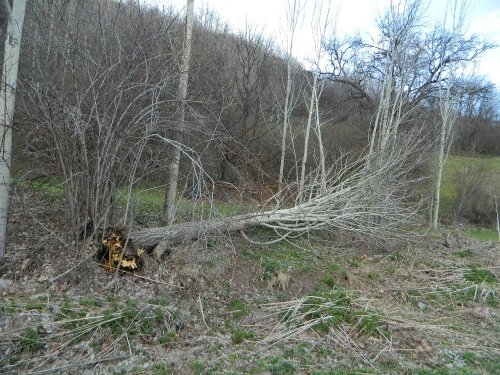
x=326, y=305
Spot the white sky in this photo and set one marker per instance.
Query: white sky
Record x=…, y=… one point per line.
x=353, y=16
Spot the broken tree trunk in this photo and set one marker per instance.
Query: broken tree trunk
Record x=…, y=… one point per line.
x=163, y=238
x=285, y=222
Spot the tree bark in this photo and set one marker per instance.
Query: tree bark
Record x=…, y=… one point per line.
x=286, y=125
x=439, y=175
x=293, y=14
x=312, y=108
x=7, y=97
x=322, y=156
x=163, y=238
x=171, y=189
x=448, y=100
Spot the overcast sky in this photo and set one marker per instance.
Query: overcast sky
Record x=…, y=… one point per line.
x=354, y=16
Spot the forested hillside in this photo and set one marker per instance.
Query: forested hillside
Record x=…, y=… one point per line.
x=98, y=106
x=179, y=181
x=99, y=102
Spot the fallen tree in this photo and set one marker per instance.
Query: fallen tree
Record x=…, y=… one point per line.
x=368, y=198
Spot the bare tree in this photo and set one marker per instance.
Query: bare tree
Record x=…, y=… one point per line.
x=320, y=22
x=401, y=26
x=368, y=196
x=8, y=83
x=476, y=130
x=448, y=99
x=173, y=175
x=447, y=107
x=293, y=15
x=402, y=64
x=92, y=104
x=249, y=118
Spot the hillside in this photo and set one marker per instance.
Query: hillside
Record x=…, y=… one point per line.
x=327, y=305
x=182, y=199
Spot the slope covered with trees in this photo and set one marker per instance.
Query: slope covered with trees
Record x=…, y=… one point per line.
x=189, y=199
x=103, y=113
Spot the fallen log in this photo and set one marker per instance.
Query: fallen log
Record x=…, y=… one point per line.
x=160, y=239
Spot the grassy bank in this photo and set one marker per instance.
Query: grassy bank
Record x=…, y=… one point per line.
x=483, y=170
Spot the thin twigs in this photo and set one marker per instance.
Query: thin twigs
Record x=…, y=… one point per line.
x=201, y=311
x=80, y=364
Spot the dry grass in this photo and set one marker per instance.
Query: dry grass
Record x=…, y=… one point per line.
x=421, y=305
x=53, y=334
x=433, y=306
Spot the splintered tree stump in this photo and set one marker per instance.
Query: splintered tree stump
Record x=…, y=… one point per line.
x=118, y=251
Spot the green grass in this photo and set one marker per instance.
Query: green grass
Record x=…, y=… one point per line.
x=396, y=256
x=90, y=302
x=477, y=275
x=36, y=303
x=281, y=257
x=197, y=367
x=9, y=307
x=158, y=301
x=481, y=234
x=274, y=365
x=472, y=365
x=31, y=340
x=492, y=164
x=86, y=318
x=167, y=339
x=280, y=366
x=305, y=358
x=490, y=365
x=160, y=369
x=151, y=200
x=330, y=307
x=450, y=296
x=146, y=200
x=240, y=334
x=489, y=165
x=14, y=359
x=52, y=187
x=464, y=253
x=238, y=308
